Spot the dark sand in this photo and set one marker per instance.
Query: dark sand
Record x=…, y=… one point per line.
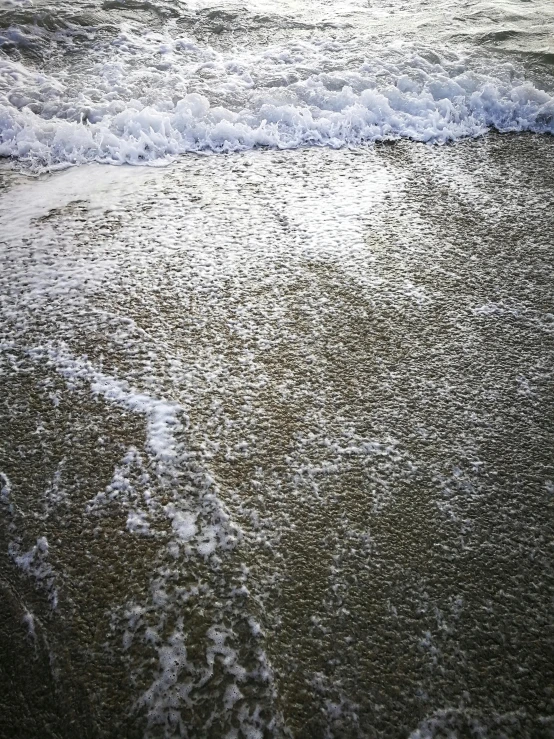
x=360, y=346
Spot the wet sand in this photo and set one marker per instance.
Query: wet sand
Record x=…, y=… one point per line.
x=277, y=445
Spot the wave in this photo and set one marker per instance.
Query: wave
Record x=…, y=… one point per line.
x=159, y=98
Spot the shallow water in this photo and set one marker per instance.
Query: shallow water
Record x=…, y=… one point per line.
x=283, y=466
x=276, y=453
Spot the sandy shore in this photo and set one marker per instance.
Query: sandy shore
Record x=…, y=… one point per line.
x=276, y=452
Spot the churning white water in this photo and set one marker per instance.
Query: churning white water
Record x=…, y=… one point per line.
x=112, y=89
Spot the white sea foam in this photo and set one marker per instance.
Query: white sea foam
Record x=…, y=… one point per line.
x=5, y=490
x=204, y=523
x=35, y=563
x=131, y=109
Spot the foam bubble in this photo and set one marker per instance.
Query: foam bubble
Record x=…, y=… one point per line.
x=184, y=525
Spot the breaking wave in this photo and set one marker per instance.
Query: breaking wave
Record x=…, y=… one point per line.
x=145, y=98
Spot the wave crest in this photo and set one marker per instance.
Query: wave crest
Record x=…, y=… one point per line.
x=195, y=100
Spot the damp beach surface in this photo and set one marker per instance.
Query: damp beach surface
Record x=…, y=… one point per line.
x=277, y=445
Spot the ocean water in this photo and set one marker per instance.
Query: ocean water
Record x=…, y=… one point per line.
x=277, y=426
x=143, y=82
